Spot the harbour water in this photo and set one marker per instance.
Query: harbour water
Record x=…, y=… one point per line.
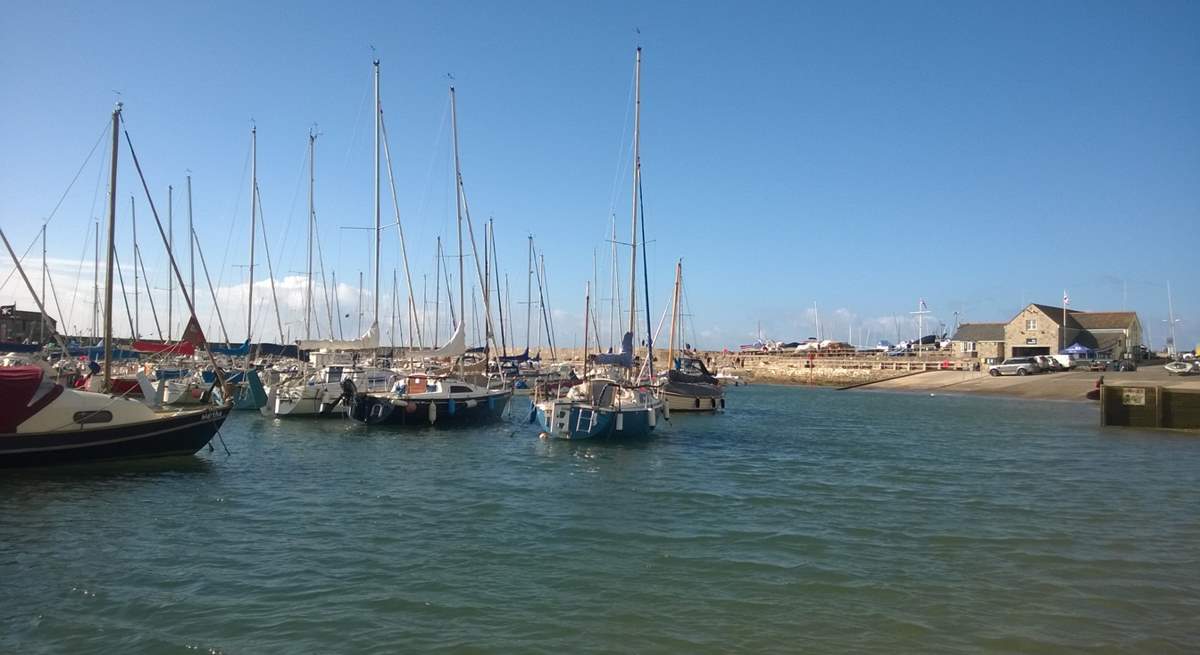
x=800, y=520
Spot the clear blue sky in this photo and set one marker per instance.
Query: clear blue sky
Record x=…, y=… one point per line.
x=859, y=155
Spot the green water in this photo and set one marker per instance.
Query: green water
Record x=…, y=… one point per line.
x=800, y=521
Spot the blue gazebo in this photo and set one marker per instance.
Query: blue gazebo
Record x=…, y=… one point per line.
x=1077, y=349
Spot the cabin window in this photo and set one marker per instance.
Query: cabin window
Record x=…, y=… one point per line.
x=1031, y=324
x=102, y=416
x=459, y=389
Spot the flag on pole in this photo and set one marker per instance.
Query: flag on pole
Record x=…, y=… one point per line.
x=923, y=305
x=1066, y=298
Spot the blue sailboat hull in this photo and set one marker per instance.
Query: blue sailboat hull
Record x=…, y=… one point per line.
x=577, y=421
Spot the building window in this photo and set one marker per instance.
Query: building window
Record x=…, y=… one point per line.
x=101, y=416
x=1031, y=324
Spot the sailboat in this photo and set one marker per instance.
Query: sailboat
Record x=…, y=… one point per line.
x=421, y=398
x=612, y=403
x=42, y=422
x=335, y=373
x=688, y=386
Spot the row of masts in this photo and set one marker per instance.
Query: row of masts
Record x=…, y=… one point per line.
x=495, y=336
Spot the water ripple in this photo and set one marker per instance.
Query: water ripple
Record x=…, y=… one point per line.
x=800, y=520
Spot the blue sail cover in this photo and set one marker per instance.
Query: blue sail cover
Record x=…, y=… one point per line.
x=14, y=347
x=97, y=352
x=516, y=359
x=624, y=359
x=277, y=350
x=240, y=350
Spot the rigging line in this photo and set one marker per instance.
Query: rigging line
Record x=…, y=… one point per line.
x=300, y=179
x=233, y=213
x=358, y=120
x=61, y=198
x=140, y=262
x=54, y=293
x=433, y=160
x=262, y=222
x=645, y=273
x=621, y=148
x=399, y=227
x=78, y=274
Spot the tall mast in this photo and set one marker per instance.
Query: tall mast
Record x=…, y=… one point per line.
x=499, y=298
x=637, y=170
x=458, y=198
x=671, y=344
x=614, y=289
x=96, y=286
x=587, y=309
x=42, y=323
x=378, y=109
x=1172, y=349
x=487, y=284
x=312, y=140
x=253, y=220
x=137, y=256
x=437, y=293
x=529, y=295
x=112, y=229
x=337, y=303
x=191, y=239
x=170, y=251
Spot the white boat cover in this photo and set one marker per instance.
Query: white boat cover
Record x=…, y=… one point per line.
x=368, y=341
x=455, y=347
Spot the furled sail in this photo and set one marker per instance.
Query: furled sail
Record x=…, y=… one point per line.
x=456, y=346
x=368, y=341
x=624, y=359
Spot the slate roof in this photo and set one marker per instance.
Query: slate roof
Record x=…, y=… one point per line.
x=1105, y=320
x=979, y=332
x=1056, y=315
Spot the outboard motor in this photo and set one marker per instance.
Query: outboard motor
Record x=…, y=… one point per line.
x=349, y=390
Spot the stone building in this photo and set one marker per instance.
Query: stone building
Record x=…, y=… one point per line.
x=984, y=341
x=22, y=326
x=1046, y=330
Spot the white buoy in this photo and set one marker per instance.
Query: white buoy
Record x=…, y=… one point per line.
x=432, y=413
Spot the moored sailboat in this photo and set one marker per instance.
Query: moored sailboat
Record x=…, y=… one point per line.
x=687, y=385
x=422, y=398
x=43, y=422
x=611, y=406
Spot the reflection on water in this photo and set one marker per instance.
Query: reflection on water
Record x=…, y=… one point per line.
x=799, y=520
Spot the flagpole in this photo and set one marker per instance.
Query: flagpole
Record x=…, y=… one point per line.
x=1066, y=300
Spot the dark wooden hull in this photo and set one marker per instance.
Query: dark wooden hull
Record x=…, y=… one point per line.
x=182, y=435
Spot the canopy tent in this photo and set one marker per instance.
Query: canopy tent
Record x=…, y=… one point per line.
x=1076, y=349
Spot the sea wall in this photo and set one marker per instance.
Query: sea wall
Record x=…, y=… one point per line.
x=795, y=372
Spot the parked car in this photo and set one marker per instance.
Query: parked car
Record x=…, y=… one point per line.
x=1122, y=365
x=1015, y=366
x=1048, y=363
